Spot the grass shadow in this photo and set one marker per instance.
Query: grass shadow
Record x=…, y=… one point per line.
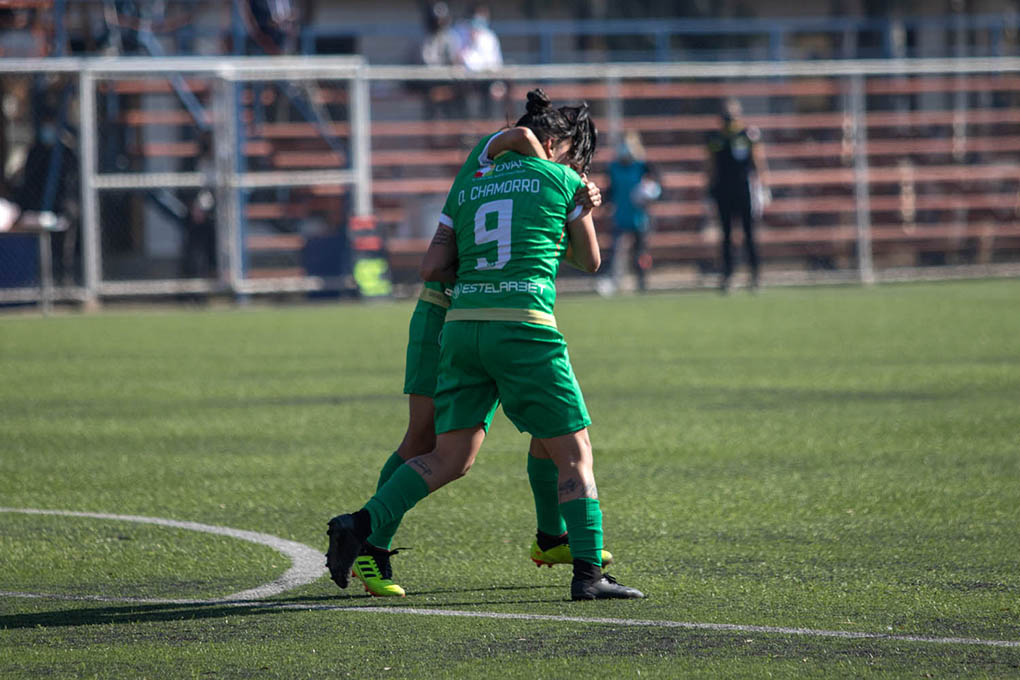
x=132, y=613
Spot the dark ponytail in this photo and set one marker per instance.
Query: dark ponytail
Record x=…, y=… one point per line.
x=585, y=137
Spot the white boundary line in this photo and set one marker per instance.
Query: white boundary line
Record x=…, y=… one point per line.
x=307, y=564
x=651, y=623
x=307, y=567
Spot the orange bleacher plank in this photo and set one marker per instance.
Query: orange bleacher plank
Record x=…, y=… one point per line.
x=152, y=85
x=159, y=117
x=419, y=157
x=190, y=149
x=299, y=130
x=918, y=118
x=688, y=123
x=774, y=150
x=276, y=273
x=927, y=83
x=787, y=86
x=275, y=242
x=170, y=149
x=308, y=159
x=420, y=185
x=276, y=211
x=698, y=89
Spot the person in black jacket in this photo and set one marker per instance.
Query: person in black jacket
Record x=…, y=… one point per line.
x=736, y=170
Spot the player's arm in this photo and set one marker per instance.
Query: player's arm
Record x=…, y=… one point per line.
x=440, y=261
x=588, y=195
x=583, y=247
x=710, y=170
x=761, y=166
x=518, y=139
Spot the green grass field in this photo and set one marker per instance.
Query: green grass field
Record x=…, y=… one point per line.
x=840, y=459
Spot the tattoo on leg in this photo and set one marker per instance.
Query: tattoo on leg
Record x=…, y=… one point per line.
x=420, y=466
x=443, y=236
x=571, y=487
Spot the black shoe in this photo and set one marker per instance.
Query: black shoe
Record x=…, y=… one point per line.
x=602, y=588
x=344, y=547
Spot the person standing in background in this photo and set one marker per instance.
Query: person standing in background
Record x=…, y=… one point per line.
x=736, y=169
x=633, y=184
x=441, y=47
x=480, y=52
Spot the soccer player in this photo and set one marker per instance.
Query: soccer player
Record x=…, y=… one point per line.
x=502, y=236
x=550, y=546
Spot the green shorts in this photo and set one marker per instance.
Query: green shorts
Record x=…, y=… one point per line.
x=524, y=366
x=422, y=362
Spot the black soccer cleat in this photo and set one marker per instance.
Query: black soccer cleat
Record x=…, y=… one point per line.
x=344, y=547
x=603, y=588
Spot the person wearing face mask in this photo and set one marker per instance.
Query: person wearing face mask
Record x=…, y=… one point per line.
x=480, y=52
x=736, y=170
x=633, y=184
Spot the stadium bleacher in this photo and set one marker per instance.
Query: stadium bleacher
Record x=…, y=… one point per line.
x=921, y=162
x=940, y=153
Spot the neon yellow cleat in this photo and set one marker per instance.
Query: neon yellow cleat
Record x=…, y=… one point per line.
x=372, y=567
x=560, y=554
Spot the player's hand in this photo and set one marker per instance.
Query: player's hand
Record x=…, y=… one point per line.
x=588, y=196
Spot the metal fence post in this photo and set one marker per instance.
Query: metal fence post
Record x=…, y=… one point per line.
x=228, y=225
x=361, y=143
x=92, y=265
x=862, y=190
x=614, y=108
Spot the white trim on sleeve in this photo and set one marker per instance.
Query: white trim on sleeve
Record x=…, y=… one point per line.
x=575, y=213
x=446, y=220
x=483, y=157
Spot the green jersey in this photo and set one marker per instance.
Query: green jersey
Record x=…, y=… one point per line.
x=509, y=217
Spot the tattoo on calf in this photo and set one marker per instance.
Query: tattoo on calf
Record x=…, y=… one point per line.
x=420, y=466
x=571, y=487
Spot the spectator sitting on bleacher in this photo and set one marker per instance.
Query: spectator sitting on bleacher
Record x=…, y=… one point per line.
x=480, y=52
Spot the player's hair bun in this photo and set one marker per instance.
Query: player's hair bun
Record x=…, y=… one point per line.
x=538, y=101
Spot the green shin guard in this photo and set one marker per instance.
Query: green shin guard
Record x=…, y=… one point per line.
x=584, y=529
x=543, y=477
x=399, y=494
x=383, y=536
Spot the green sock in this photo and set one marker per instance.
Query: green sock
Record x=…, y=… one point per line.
x=399, y=494
x=383, y=536
x=584, y=529
x=543, y=476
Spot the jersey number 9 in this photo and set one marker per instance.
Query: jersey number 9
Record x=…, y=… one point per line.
x=504, y=211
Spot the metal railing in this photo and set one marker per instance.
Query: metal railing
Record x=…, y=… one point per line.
x=232, y=178
x=848, y=87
